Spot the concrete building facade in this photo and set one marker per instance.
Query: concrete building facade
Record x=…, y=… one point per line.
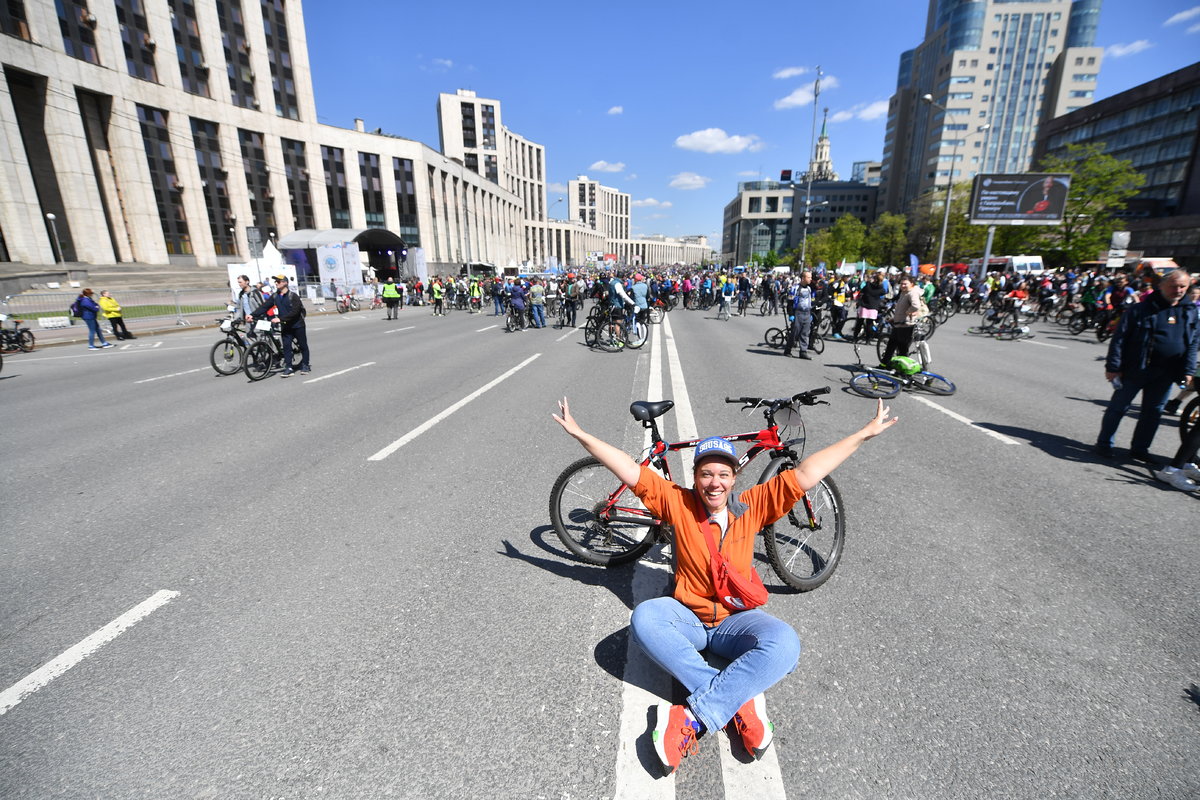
x=1009, y=65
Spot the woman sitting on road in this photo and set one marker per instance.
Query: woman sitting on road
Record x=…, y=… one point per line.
x=674, y=630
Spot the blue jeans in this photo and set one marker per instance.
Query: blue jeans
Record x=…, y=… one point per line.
x=1155, y=388
x=761, y=650
x=94, y=331
x=498, y=302
x=539, y=316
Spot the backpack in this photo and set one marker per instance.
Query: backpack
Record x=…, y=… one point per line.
x=922, y=307
x=77, y=308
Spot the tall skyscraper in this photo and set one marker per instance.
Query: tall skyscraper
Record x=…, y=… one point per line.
x=996, y=69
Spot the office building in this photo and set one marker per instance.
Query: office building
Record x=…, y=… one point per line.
x=600, y=207
x=1002, y=65
x=1155, y=126
x=866, y=172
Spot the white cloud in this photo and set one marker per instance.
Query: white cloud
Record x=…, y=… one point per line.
x=789, y=72
x=556, y=187
x=617, y=110
x=650, y=202
x=715, y=140
x=604, y=166
x=631, y=176
x=863, y=111
x=1122, y=50
x=1184, y=16
x=804, y=95
x=443, y=62
x=1195, y=28
x=688, y=181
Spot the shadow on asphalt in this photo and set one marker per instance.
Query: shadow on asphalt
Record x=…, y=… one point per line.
x=615, y=579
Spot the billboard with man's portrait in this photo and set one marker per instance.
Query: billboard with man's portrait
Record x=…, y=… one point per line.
x=1032, y=198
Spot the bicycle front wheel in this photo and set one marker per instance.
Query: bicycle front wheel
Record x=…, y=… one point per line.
x=775, y=338
x=656, y=315
x=806, y=544
x=817, y=344
x=636, y=333
x=874, y=384
x=342, y=308
x=599, y=520
x=1189, y=418
x=258, y=361
x=25, y=341
x=226, y=356
x=934, y=383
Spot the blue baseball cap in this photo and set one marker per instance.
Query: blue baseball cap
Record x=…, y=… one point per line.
x=716, y=447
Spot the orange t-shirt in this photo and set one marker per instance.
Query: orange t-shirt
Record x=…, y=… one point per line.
x=684, y=510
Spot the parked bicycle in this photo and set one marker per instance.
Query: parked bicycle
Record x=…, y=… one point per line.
x=266, y=355
x=13, y=336
x=777, y=338
x=347, y=302
x=904, y=372
x=611, y=330
x=607, y=525
x=229, y=354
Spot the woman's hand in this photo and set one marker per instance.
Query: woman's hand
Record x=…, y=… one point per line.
x=880, y=422
x=566, y=420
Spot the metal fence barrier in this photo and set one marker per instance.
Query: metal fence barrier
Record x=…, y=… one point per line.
x=138, y=304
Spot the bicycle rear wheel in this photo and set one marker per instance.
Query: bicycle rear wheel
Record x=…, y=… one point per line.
x=775, y=337
x=226, y=356
x=806, y=544
x=1189, y=418
x=25, y=341
x=600, y=521
x=635, y=335
x=258, y=361
x=656, y=315
x=934, y=383
x=875, y=384
x=817, y=344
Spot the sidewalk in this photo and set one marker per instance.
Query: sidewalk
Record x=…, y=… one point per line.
x=148, y=328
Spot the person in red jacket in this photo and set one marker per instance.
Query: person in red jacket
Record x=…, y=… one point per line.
x=673, y=631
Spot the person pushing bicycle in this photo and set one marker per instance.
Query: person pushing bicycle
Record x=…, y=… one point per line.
x=673, y=631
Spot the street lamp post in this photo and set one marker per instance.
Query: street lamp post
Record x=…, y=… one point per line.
x=937, y=273
x=808, y=207
x=812, y=142
x=58, y=256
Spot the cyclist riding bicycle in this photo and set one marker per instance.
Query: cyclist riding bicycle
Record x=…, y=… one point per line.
x=674, y=631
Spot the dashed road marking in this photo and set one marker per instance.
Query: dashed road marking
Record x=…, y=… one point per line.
x=340, y=372
x=488, y=328
x=964, y=420
x=37, y=679
x=172, y=375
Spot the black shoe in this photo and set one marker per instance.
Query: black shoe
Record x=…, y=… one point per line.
x=1142, y=457
x=1172, y=407
x=1103, y=451
x=804, y=355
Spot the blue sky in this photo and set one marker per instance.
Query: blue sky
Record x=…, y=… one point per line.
x=672, y=102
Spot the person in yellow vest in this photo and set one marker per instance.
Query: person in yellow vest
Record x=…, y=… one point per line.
x=439, y=309
x=112, y=312
x=391, y=297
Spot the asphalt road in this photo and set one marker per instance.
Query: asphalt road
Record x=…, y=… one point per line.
x=1012, y=618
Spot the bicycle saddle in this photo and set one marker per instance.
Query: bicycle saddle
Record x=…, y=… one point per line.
x=644, y=410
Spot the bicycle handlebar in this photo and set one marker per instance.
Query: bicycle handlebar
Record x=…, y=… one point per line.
x=808, y=398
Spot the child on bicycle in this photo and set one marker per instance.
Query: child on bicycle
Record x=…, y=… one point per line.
x=673, y=631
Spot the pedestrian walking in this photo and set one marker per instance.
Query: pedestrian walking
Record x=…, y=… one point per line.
x=1153, y=348
x=87, y=309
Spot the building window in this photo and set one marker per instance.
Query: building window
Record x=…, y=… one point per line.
x=755, y=205
x=372, y=189
x=221, y=222
x=295, y=166
x=258, y=183
x=468, y=126
x=168, y=190
x=135, y=40
x=279, y=56
x=237, y=54
x=335, y=186
x=78, y=29
x=406, y=201
x=12, y=19
x=193, y=70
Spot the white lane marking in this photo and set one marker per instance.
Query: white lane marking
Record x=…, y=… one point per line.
x=488, y=328
x=1043, y=344
x=143, y=345
x=963, y=419
x=340, y=372
x=173, y=375
x=397, y=330
x=37, y=679
x=762, y=779
x=570, y=332
x=417, y=431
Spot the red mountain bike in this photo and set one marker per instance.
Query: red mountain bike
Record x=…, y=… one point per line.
x=606, y=525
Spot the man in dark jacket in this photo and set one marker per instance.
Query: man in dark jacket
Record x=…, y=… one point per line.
x=290, y=310
x=1153, y=347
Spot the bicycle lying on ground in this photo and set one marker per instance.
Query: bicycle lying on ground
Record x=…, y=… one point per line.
x=605, y=524
x=903, y=373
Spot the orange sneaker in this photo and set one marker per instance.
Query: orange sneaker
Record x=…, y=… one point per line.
x=675, y=735
x=752, y=723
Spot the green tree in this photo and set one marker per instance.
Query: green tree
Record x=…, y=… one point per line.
x=1100, y=187
x=843, y=241
x=887, y=240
